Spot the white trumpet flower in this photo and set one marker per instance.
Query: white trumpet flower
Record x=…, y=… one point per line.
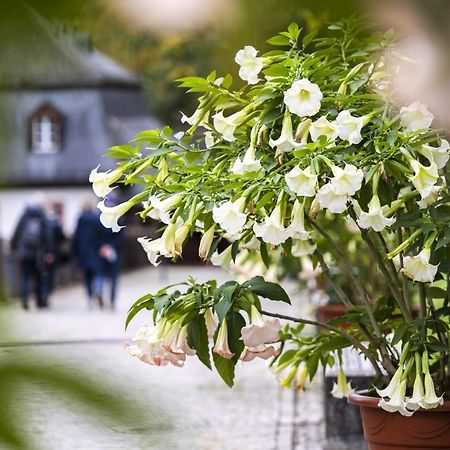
x=416, y=117
x=424, y=178
x=301, y=181
x=303, y=98
x=375, y=217
x=389, y=390
x=250, y=64
x=223, y=259
x=349, y=127
x=221, y=346
x=200, y=117
x=247, y=164
x=418, y=267
x=111, y=214
x=286, y=141
x=328, y=198
x=209, y=139
x=302, y=248
x=226, y=126
x=230, y=217
x=297, y=225
x=342, y=388
x=348, y=180
x=101, y=181
x=272, y=230
x=323, y=127
x=160, y=209
x=437, y=155
x=206, y=242
x=398, y=401
x=430, y=399
x=260, y=331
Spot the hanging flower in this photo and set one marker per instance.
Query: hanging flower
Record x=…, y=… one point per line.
x=199, y=118
x=348, y=180
x=152, y=249
x=349, y=127
x=437, y=155
x=272, y=230
x=424, y=178
x=101, y=181
x=250, y=64
x=416, y=399
x=206, y=242
x=303, y=98
x=302, y=248
x=375, y=217
x=389, y=390
x=211, y=322
x=297, y=225
x=268, y=352
x=111, y=214
x=323, y=127
x=209, y=139
x=328, y=198
x=301, y=181
x=418, y=267
x=247, y=164
x=286, y=141
x=431, y=198
x=397, y=402
x=226, y=126
x=430, y=399
x=416, y=117
x=302, y=132
x=229, y=216
x=223, y=259
x=302, y=377
x=342, y=388
x=260, y=331
x=221, y=347
x=160, y=209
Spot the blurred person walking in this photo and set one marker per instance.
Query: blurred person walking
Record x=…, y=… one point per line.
x=32, y=245
x=86, y=249
x=110, y=256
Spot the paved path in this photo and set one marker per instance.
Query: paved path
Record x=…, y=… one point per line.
x=186, y=409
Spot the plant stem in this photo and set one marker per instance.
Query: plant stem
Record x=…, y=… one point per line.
x=423, y=300
x=365, y=351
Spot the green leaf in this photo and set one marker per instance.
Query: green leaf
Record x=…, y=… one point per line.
x=435, y=292
x=197, y=337
x=278, y=40
x=225, y=368
x=399, y=332
x=145, y=302
x=308, y=38
x=161, y=301
x=225, y=294
x=264, y=254
x=267, y=289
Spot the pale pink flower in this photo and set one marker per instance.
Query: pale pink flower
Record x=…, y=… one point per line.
x=260, y=331
x=221, y=347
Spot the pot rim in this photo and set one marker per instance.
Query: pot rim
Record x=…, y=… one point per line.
x=359, y=398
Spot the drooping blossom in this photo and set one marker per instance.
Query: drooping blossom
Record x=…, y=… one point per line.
x=268, y=352
x=260, y=331
x=328, y=198
x=226, y=126
x=286, y=141
x=389, y=390
x=349, y=127
x=160, y=209
x=398, y=401
x=302, y=248
x=199, y=118
x=342, y=388
x=221, y=346
x=413, y=403
x=431, y=198
x=174, y=339
x=424, y=178
x=211, y=322
x=302, y=132
x=346, y=181
x=248, y=164
x=152, y=248
x=375, y=217
x=111, y=214
x=223, y=259
x=430, y=399
x=301, y=181
x=302, y=377
x=209, y=139
x=303, y=98
x=206, y=242
x=229, y=215
x=323, y=127
x=101, y=181
x=272, y=230
x=416, y=117
x=437, y=155
x=297, y=225
x=165, y=246
x=418, y=267
x=250, y=64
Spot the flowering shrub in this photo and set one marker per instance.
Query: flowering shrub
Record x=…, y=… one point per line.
x=311, y=141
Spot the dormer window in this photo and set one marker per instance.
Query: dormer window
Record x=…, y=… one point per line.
x=45, y=130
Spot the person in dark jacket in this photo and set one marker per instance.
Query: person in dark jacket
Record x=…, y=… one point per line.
x=86, y=249
x=31, y=245
x=110, y=256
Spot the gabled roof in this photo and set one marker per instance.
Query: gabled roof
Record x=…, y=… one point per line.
x=33, y=54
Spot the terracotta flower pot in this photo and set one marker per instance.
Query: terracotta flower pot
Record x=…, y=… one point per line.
x=426, y=429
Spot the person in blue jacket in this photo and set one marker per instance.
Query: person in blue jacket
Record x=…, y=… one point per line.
x=86, y=249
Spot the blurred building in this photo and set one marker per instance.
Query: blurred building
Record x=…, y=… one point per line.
x=63, y=104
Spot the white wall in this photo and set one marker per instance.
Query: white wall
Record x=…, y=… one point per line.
x=14, y=201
